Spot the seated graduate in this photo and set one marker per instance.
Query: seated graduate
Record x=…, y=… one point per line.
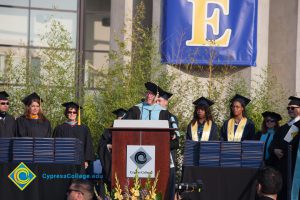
x=105, y=149
x=74, y=129
x=238, y=127
x=268, y=130
x=202, y=127
x=7, y=122
x=33, y=123
x=149, y=109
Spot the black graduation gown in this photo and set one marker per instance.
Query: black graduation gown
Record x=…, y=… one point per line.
x=8, y=126
x=33, y=128
x=105, y=155
x=248, y=133
x=81, y=132
x=135, y=113
x=279, y=143
x=213, y=132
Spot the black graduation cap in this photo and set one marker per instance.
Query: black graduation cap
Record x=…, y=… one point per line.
x=164, y=94
x=294, y=101
x=273, y=115
x=152, y=87
x=3, y=95
x=71, y=104
x=119, y=112
x=202, y=101
x=241, y=98
x=27, y=100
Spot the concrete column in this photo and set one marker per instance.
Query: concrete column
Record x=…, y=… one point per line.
x=157, y=20
x=262, y=44
x=283, y=42
x=121, y=19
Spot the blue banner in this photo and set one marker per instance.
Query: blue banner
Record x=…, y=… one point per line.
x=200, y=32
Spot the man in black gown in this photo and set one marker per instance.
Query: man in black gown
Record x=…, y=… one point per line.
x=163, y=101
x=286, y=135
x=7, y=122
x=105, y=149
x=149, y=109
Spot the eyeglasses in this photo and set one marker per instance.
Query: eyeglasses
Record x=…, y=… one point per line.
x=291, y=108
x=4, y=103
x=270, y=120
x=72, y=112
x=71, y=190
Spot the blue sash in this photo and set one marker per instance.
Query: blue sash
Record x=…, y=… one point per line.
x=149, y=112
x=267, y=138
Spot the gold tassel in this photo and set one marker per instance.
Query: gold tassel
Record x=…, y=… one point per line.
x=79, y=118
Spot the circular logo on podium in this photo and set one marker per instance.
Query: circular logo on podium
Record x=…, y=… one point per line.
x=140, y=157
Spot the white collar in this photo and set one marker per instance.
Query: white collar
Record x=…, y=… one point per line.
x=293, y=121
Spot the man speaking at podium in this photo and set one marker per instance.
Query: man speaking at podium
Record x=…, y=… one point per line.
x=153, y=108
x=149, y=109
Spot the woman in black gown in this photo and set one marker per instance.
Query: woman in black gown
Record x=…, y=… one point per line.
x=268, y=130
x=238, y=127
x=33, y=123
x=202, y=127
x=72, y=129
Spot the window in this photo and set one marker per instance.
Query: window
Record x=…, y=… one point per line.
x=23, y=23
x=13, y=26
x=24, y=3
x=35, y=70
x=55, y=4
x=97, y=40
x=40, y=23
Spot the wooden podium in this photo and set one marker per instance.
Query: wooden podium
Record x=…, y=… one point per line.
x=158, y=137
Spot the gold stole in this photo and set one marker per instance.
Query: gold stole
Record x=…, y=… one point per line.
x=239, y=131
x=205, y=132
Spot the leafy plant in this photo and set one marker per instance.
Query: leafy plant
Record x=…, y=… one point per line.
x=50, y=72
x=138, y=191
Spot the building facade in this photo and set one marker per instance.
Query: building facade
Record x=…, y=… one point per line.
x=24, y=23
x=93, y=25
